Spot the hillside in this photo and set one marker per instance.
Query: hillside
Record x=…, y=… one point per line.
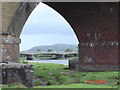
x=55, y=47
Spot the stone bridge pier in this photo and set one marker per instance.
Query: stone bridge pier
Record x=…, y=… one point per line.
x=10, y=48
x=13, y=16
x=11, y=70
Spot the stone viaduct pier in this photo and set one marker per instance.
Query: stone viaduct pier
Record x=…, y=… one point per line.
x=94, y=23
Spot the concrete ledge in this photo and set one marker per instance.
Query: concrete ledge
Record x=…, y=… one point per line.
x=17, y=72
x=14, y=65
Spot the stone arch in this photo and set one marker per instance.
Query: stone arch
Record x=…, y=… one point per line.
x=20, y=17
x=59, y=15
x=18, y=20
x=95, y=25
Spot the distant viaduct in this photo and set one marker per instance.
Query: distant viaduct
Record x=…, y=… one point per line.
x=55, y=55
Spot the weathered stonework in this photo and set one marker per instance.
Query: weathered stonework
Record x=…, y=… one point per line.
x=10, y=48
x=73, y=64
x=95, y=25
x=98, y=68
x=14, y=16
x=16, y=72
x=95, y=28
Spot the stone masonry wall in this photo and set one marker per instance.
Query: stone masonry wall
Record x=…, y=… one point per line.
x=16, y=72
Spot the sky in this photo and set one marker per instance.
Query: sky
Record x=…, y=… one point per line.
x=45, y=26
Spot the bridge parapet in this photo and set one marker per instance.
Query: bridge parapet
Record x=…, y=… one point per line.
x=50, y=53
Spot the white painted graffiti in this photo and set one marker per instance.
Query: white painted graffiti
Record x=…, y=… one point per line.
x=88, y=59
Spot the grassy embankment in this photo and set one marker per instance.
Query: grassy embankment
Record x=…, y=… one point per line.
x=58, y=76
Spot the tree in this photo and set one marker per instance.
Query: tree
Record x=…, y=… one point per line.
x=49, y=50
x=38, y=50
x=68, y=50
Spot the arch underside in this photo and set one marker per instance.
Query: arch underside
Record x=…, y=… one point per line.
x=95, y=25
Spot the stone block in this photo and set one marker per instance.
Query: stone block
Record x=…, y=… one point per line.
x=16, y=72
x=73, y=64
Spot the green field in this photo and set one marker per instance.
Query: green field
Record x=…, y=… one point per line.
x=76, y=86
x=48, y=75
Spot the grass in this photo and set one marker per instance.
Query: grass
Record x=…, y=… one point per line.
x=18, y=85
x=76, y=86
x=108, y=76
x=58, y=76
x=46, y=70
